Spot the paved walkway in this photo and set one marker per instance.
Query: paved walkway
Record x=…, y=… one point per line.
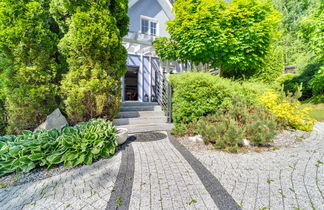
x=152, y=171
x=288, y=178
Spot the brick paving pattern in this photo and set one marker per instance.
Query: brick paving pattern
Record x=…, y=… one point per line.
x=163, y=179
x=152, y=171
x=86, y=187
x=288, y=178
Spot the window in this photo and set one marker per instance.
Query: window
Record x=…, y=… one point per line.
x=145, y=26
x=153, y=28
x=149, y=26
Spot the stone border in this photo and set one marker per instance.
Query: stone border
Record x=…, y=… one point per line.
x=221, y=197
x=122, y=191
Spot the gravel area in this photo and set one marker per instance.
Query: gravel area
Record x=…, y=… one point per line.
x=286, y=138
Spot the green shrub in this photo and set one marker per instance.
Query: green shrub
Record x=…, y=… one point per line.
x=243, y=120
x=274, y=66
x=30, y=62
x=199, y=94
x=283, y=78
x=72, y=146
x=290, y=112
x=317, y=83
x=303, y=79
x=96, y=57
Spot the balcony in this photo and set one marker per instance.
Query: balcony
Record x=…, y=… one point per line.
x=139, y=38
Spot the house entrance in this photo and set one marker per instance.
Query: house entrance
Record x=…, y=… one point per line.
x=131, y=84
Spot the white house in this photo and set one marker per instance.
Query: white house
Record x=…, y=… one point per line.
x=147, y=21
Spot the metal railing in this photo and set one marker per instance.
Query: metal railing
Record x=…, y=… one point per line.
x=162, y=92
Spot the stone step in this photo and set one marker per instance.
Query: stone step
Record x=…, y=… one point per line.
x=136, y=103
x=147, y=127
x=135, y=114
x=140, y=108
x=140, y=120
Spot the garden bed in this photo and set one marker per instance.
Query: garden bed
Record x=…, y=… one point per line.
x=285, y=139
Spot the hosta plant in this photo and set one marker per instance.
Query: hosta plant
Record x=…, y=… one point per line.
x=72, y=146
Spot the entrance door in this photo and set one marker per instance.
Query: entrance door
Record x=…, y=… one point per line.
x=131, y=84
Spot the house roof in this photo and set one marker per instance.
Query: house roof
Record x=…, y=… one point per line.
x=165, y=4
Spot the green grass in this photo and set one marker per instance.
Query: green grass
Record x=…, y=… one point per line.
x=317, y=111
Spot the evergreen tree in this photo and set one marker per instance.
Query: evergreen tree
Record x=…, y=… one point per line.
x=29, y=62
x=92, y=44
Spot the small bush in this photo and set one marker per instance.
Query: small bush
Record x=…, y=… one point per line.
x=72, y=146
x=292, y=114
x=283, y=78
x=243, y=120
x=317, y=84
x=274, y=66
x=199, y=94
x=303, y=79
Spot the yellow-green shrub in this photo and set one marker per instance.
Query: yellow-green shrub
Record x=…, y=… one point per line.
x=293, y=115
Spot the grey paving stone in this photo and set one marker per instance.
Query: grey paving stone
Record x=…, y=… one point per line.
x=67, y=189
x=292, y=186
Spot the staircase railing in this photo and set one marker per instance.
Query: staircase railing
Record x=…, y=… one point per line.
x=162, y=92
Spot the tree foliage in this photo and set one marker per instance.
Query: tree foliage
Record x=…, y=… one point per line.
x=295, y=45
x=235, y=37
x=274, y=66
x=29, y=62
x=92, y=44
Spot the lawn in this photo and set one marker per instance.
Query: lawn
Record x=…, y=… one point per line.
x=317, y=111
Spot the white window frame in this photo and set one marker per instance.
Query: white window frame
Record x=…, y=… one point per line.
x=150, y=20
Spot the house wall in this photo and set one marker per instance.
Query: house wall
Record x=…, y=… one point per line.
x=149, y=8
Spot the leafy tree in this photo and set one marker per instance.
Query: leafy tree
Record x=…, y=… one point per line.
x=92, y=44
x=235, y=37
x=313, y=30
x=295, y=46
x=29, y=62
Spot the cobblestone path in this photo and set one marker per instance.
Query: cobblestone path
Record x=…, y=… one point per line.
x=164, y=179
x=153, y=171
x=86, y=187
x=288, y=178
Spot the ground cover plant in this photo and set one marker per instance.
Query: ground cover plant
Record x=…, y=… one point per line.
x=290, y=112
x=81, y=144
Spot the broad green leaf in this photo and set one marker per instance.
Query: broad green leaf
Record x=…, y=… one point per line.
x=37, y=156
x=26, y=133
x=95, y=150
x=88, y=159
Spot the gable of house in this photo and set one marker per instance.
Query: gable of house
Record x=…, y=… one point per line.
x=157, y=11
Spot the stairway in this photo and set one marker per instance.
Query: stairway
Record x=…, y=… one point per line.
x=142, y=117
